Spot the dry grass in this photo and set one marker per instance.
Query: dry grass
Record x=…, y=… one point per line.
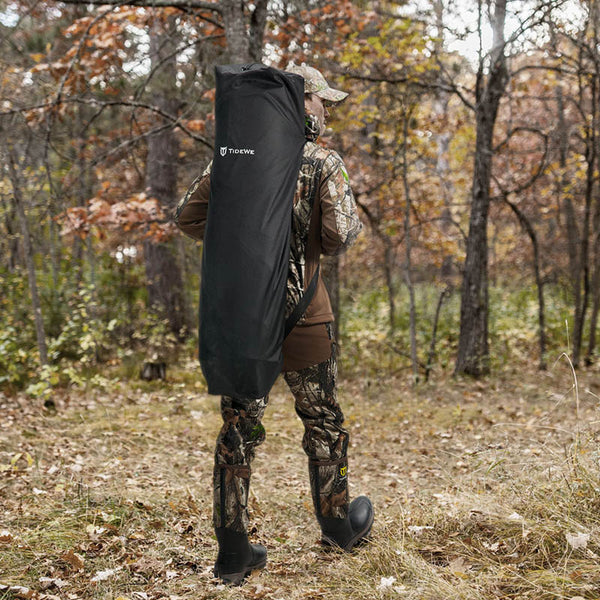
x=478, y=488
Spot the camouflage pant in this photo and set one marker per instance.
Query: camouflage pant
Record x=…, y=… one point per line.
x=325, y=442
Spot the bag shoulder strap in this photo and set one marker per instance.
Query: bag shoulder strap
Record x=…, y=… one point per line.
x=306, y=299
x=301, y=307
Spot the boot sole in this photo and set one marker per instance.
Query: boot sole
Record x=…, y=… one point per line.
x=238, y=578
x=358, y=539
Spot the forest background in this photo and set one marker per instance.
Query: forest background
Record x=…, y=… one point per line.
x=467, y=311
x=476, y=173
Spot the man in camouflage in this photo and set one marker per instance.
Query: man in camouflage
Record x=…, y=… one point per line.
x=325, y=221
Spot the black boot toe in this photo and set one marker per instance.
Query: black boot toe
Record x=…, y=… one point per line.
x=351, y=531
x=361, y=515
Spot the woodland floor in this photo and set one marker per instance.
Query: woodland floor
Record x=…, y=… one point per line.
x=482, y=490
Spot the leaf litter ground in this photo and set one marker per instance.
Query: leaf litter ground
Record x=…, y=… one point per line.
x=481, y=489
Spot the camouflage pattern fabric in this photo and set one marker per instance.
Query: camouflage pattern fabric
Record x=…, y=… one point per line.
x=306, y=189
x=325, y=167
x=315, y=83
x=241, y=433
x=346, y=216
x=191, y=191
x=325, y=442
x=312, y=127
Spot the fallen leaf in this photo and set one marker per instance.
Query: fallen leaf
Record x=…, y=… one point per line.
x=6, y=537
x=386, y=582
x=458, y=566
x=104, y=575
x=73, y=559
x=21, y=592
x=94, y=530
x=493, y=547
x=577, y=540
x=48, y=582
x=418, y=529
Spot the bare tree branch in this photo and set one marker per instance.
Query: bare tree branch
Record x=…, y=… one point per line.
x=443, y=86
x=173, y=120
x=182, y=4
x=168, y=57
x=519, y=129
x=504, y=193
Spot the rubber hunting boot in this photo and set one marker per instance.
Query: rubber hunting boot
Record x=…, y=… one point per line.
x=237, y=558
x=343, y=525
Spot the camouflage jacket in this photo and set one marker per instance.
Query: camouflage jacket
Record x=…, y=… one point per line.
x=331, y=230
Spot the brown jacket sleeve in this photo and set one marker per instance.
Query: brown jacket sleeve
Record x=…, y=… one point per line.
x=340, y=224
x=190, y=214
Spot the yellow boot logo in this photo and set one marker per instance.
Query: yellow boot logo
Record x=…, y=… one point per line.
x=343, y=470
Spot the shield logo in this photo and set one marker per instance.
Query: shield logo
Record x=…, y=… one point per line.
x=223, y=150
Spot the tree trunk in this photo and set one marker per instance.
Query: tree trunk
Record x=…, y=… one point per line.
x=12, y=240
x=163, y=273
x=258, y=20
x=244, y=34
x=408, y=252
x=234, y=23
x=447, y=291
x=28, y=253
x=388, y=266
x=83, y=190
x=595, y=290
x=573, y=235
x=584, y=260
x=595, y=283
x=473, y=349
x=539, y=282
x=442, y=139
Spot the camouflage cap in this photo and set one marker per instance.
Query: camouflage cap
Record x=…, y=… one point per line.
x=315, y=83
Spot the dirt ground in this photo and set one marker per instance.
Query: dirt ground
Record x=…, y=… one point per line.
x=485, y=489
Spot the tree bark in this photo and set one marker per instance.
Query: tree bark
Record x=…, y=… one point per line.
x=473, y=346
x=238, y=42
x=258, y=20
x=595, y=289
x=539, y=281
x=12, y=240
x=595, y=279
x=28, y=254
x=388, y=266
x=573, y=234
x=163, y=273
x=595, y=259
x=584, y=261
x=244, y=33
x=442, y=168
x=436, y=319
x=408, y=252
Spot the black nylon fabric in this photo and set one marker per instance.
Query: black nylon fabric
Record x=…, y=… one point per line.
x=259, y=114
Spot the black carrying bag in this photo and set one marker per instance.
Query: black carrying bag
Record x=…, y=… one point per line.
x=259, y=114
